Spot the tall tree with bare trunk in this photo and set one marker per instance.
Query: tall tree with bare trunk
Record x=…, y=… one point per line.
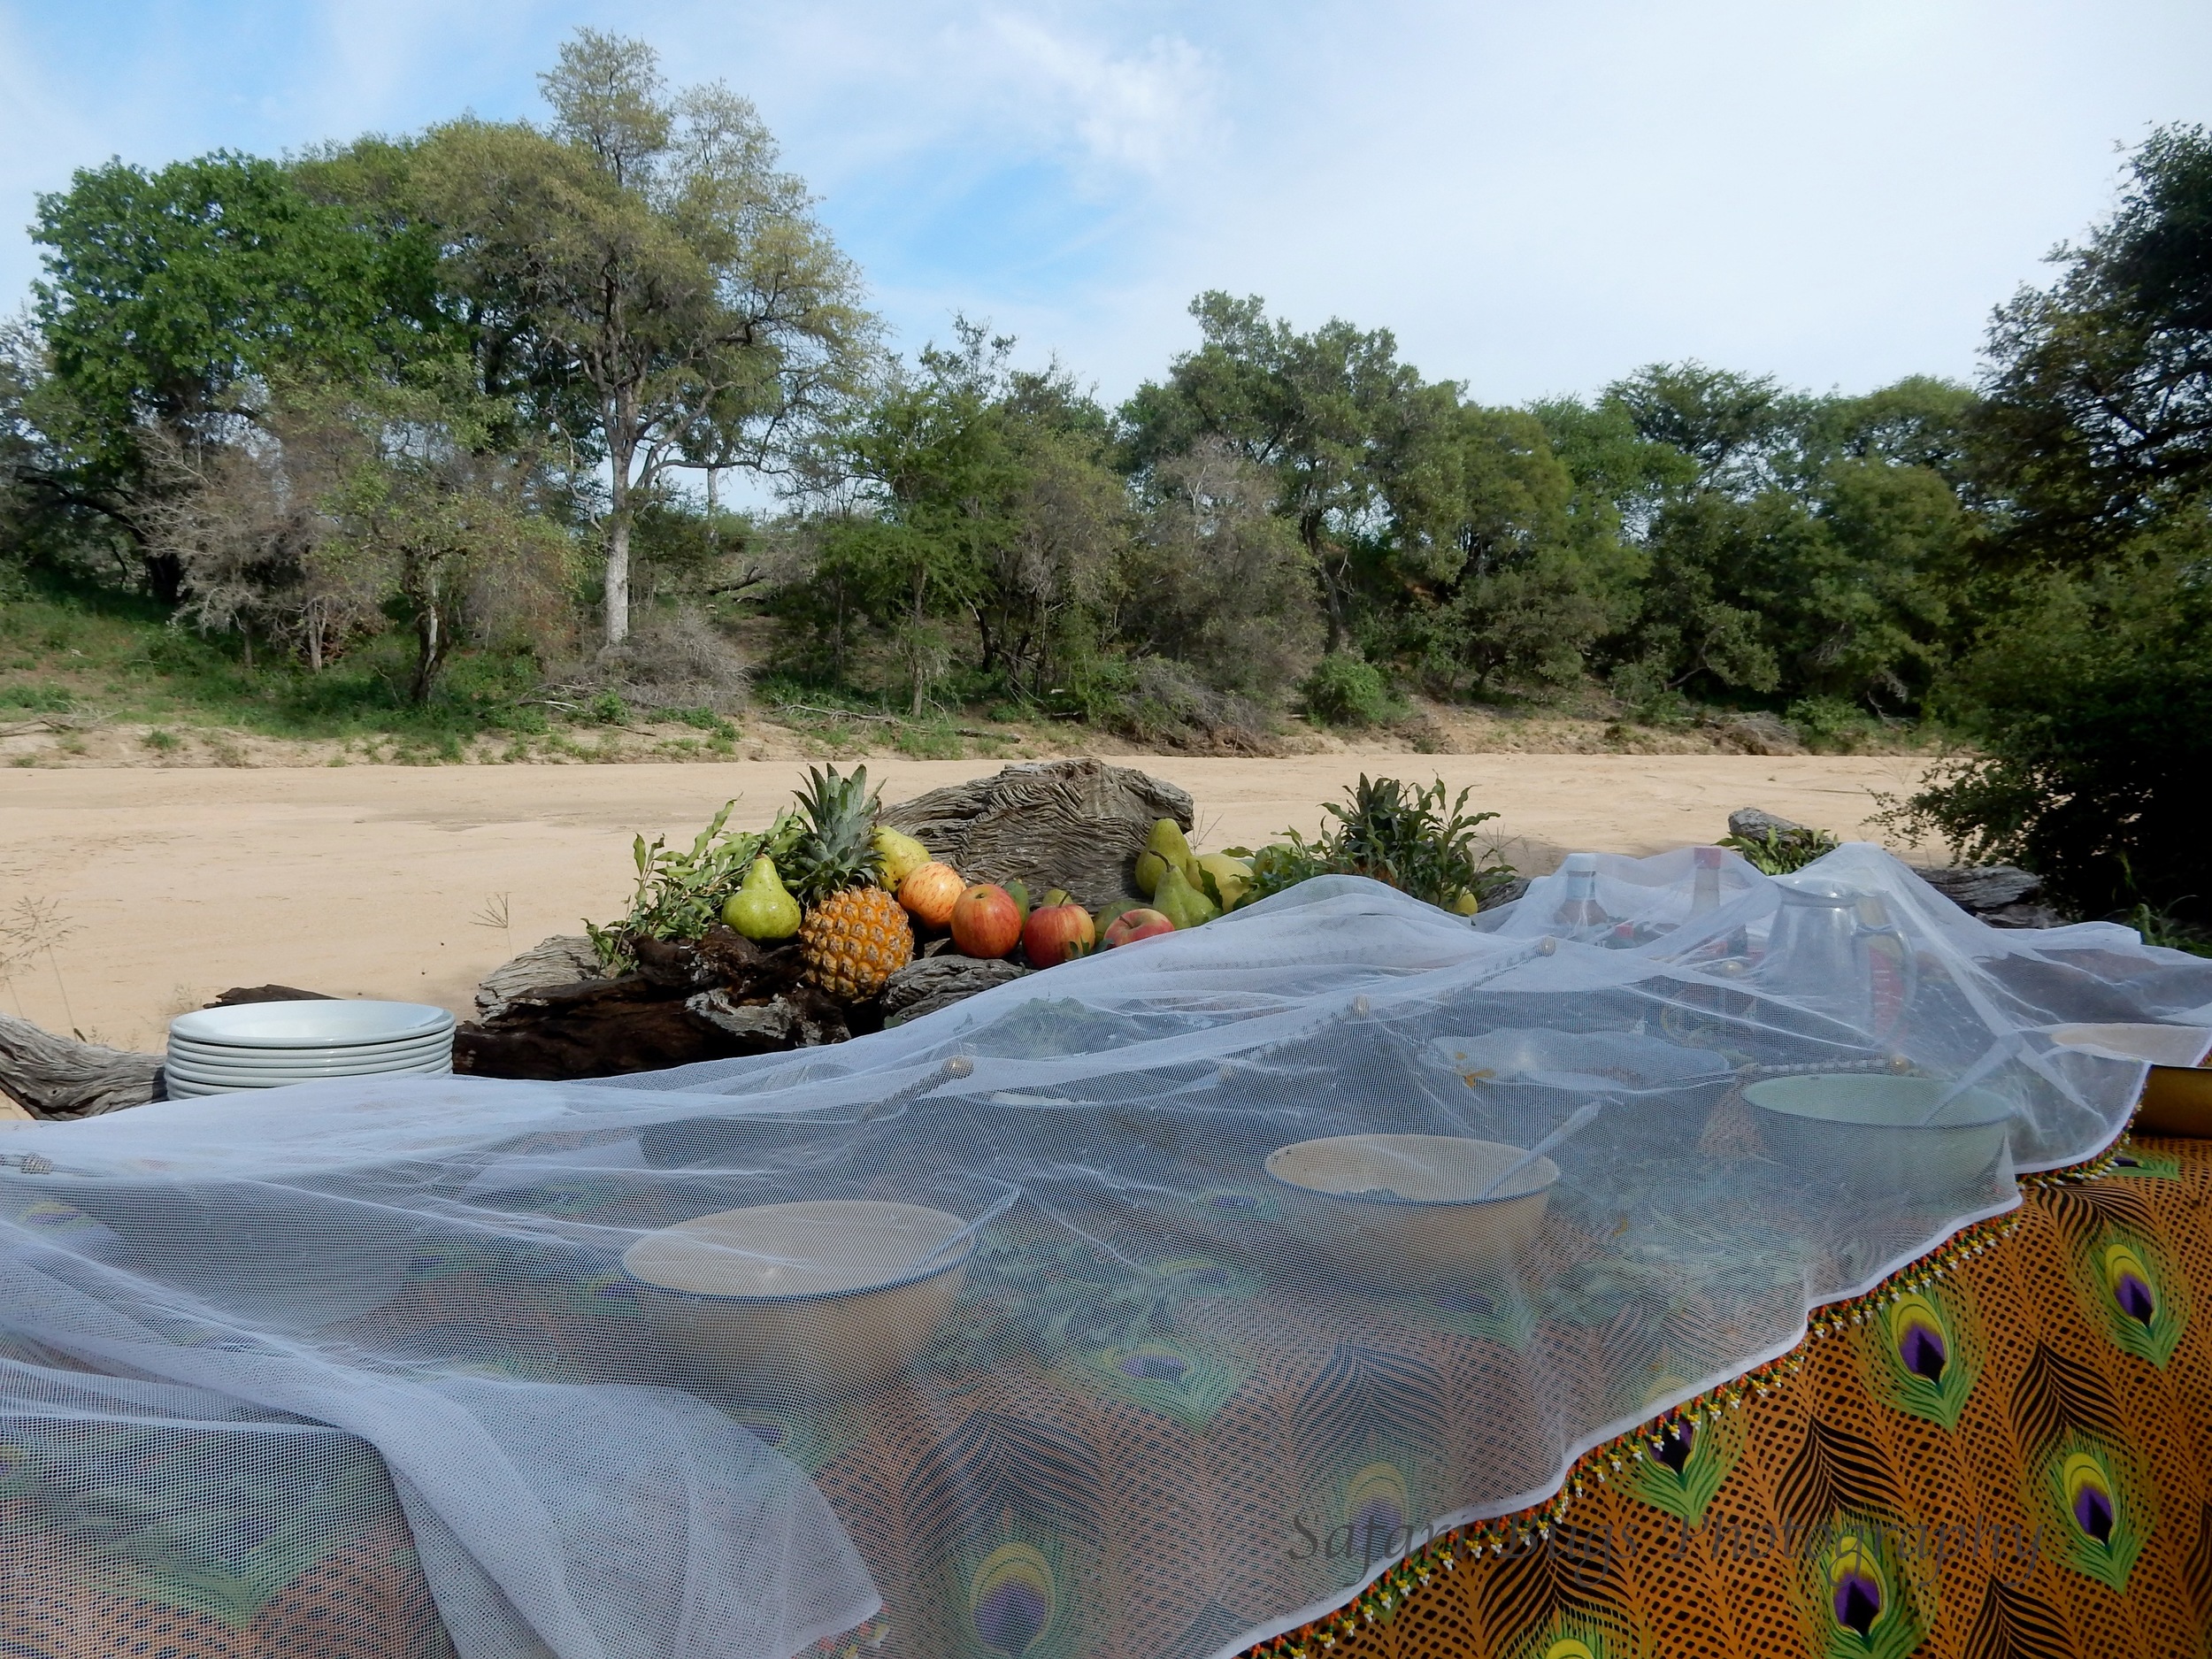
x=661, y=265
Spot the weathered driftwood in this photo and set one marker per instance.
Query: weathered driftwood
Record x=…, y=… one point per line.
x=2003, y=895
x=1979, y=888
x=711, y=998
x=58, y=1076
x=1750, y=824
x=1073, y=824
x=241, y=994
x=564, y=959
x=934, y=982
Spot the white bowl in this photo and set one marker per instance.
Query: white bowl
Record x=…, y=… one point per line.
x=317, y=1024
x=820, y=1299
x=1392, y=1208
x=1871, y=1135
x=309, y=1059
x=183, y=1082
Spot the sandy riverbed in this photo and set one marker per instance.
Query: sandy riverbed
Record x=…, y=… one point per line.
x=393, y=881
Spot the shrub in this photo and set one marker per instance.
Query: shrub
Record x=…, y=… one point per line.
x=1828, y=719
x=1344, y=691
x=2092, y=703
x=1167, y=703
x=673, y=660
x=1410, y=840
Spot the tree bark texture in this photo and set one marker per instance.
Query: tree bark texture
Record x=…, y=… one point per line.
x=58, y=1076
x=1073, y=824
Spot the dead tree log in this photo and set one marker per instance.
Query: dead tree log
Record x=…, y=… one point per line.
x=58, y=1076
x=1073, y=824
x=714, y=998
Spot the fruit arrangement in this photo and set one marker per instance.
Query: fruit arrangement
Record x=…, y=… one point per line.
x=858, y=900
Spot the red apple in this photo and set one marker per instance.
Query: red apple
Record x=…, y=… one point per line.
x=1055, y=933
x=929, y=893
x=985, y=922
x=1134, y=924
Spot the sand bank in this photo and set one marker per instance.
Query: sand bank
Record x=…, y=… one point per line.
x=411, y=882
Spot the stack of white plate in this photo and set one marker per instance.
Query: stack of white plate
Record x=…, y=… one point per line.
x=266, y=1045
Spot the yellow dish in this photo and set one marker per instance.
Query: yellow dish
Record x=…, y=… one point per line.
x=2177, y=1093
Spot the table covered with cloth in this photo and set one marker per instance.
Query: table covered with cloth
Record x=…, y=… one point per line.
x=374, y=1380
x=1998, y=1455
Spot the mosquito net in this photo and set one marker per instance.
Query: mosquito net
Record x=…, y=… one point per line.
x=1143, y=1307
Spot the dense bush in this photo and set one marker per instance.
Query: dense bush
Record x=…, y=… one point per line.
x=1344, y=691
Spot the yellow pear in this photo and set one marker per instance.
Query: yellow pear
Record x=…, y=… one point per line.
x=901, y=856
x=761, y=910
x=1227, y=878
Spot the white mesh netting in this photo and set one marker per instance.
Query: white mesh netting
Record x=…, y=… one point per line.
x=1045, y=1327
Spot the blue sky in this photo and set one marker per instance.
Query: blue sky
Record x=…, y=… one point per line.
x=1536, y=196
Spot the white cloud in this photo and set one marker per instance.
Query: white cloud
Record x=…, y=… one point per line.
x=1534, y=197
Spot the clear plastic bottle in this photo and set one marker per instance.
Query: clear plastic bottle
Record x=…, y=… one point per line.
x=1705, y=883
x=1579, y=911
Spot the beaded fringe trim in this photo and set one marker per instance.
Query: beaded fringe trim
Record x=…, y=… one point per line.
x=1382, y=1600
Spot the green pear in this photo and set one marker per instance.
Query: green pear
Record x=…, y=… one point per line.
x=1150, y=868
x=1180, y=903
x=1168, y=841
x=761, y=908
x=1018, y=891
x=1106, y=918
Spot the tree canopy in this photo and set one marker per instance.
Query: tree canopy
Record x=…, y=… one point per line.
x=474, y=390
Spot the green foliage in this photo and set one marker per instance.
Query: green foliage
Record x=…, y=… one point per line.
x=39, y=699
x=1345, y=690
x=2089, y=687
x=1827, y=720
x=2091, y=700
x=382, y=411
x=1333, y=413
x=679, y=895
x=2097, y=421
x=168, y=294
x=652, y=249
x=1410, y=840
x=1779, y=852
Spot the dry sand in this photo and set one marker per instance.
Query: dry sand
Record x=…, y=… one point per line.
x=411, y=882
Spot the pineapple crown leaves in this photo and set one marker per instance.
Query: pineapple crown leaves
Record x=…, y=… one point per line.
x=1419, y=840
x=836, y=849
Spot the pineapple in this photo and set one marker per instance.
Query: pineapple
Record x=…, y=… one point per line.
x=855, y=935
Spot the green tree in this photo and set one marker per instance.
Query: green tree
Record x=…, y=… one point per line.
x=169, y=297
x=1331, y=413
x=1215, y=579
x=423, y=510
x=2097, y=417
x=2089, y=687
x=2090, y=696
x=648, y=251
x=1495, y=589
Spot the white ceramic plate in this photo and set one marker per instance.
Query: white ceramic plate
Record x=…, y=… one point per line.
x=321, y=1024
x=278, y=1079
x=183, y=1088
x=257, y=1059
